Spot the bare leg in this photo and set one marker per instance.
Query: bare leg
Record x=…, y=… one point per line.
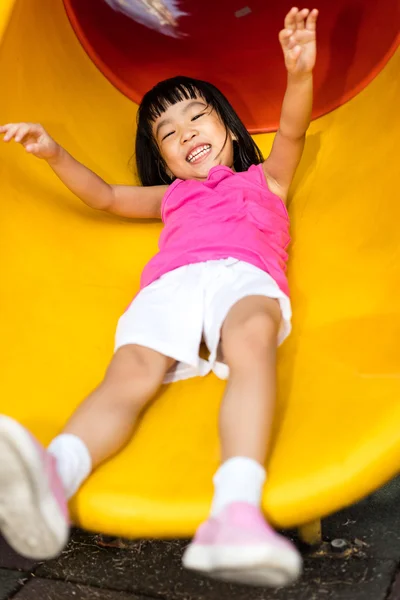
x=237, y=544
x=249, y=340
x=34, y=487
x=106, y=419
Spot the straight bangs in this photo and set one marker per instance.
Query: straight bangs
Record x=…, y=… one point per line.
x=164, y=95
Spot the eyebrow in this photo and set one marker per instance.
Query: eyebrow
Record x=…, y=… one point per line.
x=185, y=110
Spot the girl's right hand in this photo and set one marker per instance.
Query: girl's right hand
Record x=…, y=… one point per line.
x=33, y=137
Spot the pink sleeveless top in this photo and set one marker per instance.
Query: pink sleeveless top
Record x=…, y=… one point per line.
x=230, y=215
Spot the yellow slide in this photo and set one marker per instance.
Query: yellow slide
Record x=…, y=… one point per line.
x=68, y=272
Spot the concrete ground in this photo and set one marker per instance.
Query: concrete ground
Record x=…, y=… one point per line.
x=367, y=567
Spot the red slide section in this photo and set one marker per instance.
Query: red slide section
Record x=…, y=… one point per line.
x=234, y=44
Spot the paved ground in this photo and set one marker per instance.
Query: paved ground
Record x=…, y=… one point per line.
x=93, y=568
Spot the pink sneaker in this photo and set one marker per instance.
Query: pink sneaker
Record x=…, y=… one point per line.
x=239, y=546
x=33, y=509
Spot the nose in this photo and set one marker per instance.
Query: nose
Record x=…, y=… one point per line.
x=188, y=135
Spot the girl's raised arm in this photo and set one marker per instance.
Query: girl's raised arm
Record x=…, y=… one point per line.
x=298, y=41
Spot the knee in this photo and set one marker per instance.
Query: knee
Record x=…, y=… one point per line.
x=132, y=379
x=251, y=341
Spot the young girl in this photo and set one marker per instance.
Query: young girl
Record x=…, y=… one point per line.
x=219, y=276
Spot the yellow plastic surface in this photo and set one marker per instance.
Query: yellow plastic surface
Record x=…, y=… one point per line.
x=68, y=272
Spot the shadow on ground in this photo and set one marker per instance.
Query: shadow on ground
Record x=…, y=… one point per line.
x=362, y=566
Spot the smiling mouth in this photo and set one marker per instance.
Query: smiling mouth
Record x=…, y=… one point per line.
x=198, y=153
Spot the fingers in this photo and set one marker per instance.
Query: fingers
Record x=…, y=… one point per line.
x=300, y=18
x=22, y=131
x=311, y=23
x=290, y=39
x=18, y=131
x=9, y=131
x=290, y=19
x=285, y=37
x=296, y=19
x=33, y=148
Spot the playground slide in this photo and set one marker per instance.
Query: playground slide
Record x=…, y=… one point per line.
x=68, y=272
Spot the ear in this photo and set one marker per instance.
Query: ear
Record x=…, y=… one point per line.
x=233, y=137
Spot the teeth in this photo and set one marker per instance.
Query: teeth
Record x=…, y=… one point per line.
x=201, y=151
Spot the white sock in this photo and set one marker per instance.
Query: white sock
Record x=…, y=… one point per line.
x=239, y=479
x=73, y=460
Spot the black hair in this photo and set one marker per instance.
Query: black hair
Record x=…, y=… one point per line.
x=150, y=164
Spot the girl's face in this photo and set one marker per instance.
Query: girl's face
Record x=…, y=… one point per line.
x=192, y=139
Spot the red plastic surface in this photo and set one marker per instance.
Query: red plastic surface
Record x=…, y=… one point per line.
x=241, y=55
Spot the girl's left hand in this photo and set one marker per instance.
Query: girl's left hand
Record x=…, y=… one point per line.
x=298, y=41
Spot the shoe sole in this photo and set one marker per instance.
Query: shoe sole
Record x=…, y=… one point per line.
x=30, y=518
x=262, y=565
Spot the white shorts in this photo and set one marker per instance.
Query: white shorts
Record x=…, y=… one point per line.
x=175, y=313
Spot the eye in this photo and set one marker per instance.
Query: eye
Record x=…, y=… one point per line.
x=197, y=117
x=168, y=135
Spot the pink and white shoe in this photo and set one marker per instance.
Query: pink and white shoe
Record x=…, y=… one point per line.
x=33, y=509
x=239, y=546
